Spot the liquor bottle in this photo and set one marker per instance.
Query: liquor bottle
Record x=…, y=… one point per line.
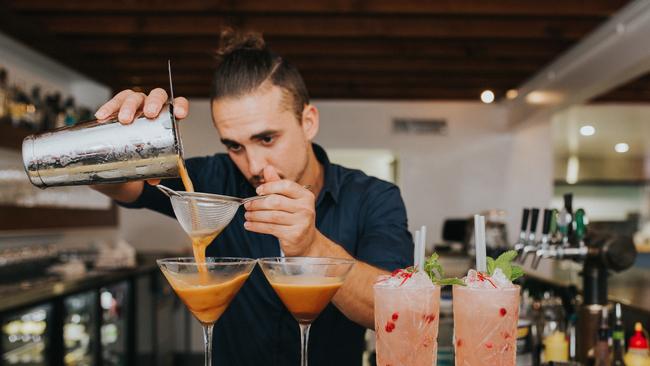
x=601, y=351
x=4, y=96
x=70, y=112
x=637, y=354
x=38, y=114
x=618, y=338
x=556, y=346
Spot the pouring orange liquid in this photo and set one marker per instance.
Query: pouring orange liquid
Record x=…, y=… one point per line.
x=306, y=299
x=199, y=244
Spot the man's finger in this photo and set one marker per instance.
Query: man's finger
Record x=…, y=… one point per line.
x=154, y=102
x=270, y=174
x=130, y=106
x=113, y=105
x=181, y=107
x=153, y=182
x=283, y=187
x=265, y=228
x=273, y=202
x=270, y=217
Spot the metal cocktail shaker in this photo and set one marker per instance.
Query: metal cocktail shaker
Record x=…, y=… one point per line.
x=105, y=151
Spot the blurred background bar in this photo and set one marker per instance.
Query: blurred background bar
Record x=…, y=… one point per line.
x=535, y=114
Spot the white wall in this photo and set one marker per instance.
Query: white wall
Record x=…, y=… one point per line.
x=479, y=165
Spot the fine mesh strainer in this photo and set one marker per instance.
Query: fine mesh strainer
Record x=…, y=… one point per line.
x=203, y=214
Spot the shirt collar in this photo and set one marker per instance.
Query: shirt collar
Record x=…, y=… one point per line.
x=331, y=180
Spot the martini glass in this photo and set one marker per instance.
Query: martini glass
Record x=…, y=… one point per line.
x=206, y=288
x=305, y=285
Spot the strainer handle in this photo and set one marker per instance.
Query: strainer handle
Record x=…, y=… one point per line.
x=244, y=200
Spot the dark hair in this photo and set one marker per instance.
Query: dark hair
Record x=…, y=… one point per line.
x=245, y=63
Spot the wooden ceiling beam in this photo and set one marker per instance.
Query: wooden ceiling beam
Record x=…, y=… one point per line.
x=334, y=78
x=347, y=92
x=455, y=7
x=134, y=65
x=345, y=47
x=322, y=26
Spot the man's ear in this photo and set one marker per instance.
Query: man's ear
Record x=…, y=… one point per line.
x=310, y=121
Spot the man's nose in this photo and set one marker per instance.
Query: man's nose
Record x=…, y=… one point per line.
x=256, y=162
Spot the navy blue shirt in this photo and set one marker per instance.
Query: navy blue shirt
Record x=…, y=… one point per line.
x=363, y=214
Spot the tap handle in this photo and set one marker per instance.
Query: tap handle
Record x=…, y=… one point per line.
x=546, y=225
x=524, y=219
x=533, y=221
x=568, y=202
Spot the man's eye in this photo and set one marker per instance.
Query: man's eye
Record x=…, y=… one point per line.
x=267, y=140
x=234, y=148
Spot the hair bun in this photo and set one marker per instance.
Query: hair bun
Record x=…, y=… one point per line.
x=231, y=41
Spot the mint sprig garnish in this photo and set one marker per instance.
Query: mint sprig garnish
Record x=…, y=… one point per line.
x=504, y=262
x=433, y=269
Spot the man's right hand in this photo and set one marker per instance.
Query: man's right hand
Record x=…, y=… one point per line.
x=125, y=104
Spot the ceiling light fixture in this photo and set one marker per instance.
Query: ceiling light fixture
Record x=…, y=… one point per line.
x=487, y=96
x=621, y=147
x=587, y=130
x=512, y=94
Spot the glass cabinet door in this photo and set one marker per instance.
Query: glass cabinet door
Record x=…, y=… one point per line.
x=114, y=300
x=79, y=322
x=25, y=337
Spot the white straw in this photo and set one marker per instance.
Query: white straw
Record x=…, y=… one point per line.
x=423, y=244
x=479, y=239
x=416, y=249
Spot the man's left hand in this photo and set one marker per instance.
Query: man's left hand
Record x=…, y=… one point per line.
x=288, y=213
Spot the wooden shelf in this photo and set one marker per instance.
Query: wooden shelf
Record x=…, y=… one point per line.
x=23, y=218
x=11, y=137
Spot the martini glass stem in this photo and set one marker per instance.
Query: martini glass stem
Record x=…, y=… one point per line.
x=304, y=343
x=207, y=339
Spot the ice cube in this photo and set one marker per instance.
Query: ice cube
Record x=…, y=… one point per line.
x=419, y=280
x=500, y=280
x=484, y=281
x=405, y=279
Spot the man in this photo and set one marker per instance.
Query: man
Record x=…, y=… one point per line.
x=261, y=110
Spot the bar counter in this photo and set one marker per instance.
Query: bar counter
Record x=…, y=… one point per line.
x=39, y=291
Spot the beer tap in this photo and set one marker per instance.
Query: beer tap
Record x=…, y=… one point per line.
x=531, y=245
x=599, y=255
x=519, y=246
x=565, y=220
x=545, y=244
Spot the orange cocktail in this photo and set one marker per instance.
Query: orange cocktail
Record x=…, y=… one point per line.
x=306, y=298
x=305, y=285
x=206, y=301
x=206, y=288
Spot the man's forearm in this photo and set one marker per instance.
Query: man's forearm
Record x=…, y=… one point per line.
x=355, y=298
x=122, y=192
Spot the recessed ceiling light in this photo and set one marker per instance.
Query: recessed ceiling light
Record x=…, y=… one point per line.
x=487, y=96
x=622, y=147
x=512, y=94
x=587, y=130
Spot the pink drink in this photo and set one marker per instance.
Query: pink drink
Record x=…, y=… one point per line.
x=485, y=325
x=406, y=321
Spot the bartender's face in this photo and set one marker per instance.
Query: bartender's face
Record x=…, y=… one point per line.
x=261, y=129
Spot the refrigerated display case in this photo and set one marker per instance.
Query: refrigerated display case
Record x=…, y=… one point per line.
x=114, y=302
x=25, y=337
x=80, y=318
